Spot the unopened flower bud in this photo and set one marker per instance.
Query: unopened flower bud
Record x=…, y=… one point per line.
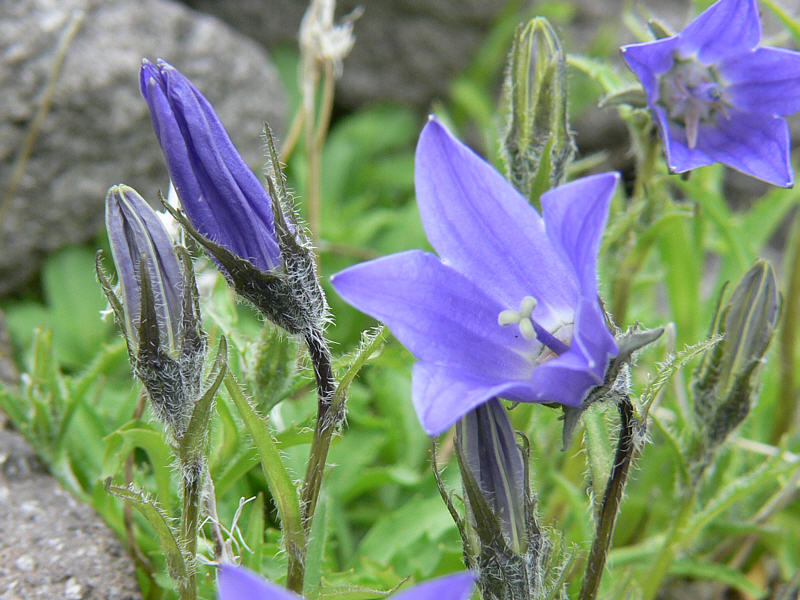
x=537, y=145
x=725, y=382
x=505, y=537
x=156, y=306
x=260, y=249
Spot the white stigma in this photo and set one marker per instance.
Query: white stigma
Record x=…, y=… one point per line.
x=522, y=317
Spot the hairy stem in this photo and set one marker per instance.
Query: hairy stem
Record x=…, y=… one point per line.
x=328, y=417
x=192, y=484
x=626, y=452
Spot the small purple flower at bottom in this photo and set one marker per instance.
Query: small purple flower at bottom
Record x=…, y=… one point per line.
x=717, y=96
x=509, y=306
x=237, y=583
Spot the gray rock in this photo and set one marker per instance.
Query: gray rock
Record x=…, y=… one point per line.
x=97, y=131
x=51, y=545
x=407, y=51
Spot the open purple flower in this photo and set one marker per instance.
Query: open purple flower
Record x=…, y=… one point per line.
x=509, y=308
x=237, y=583
x=718, y=97
x=222, y=197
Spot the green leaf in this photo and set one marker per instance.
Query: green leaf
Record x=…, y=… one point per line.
x=316, y=549
x=393, y=533
x=137, y=434
x=669, y=367
x=599, y=451
x=699, y=569
x=280, y=484
x=254, y=535
x=167, y=536
x=369, y=348
x=68, y=279
x=608, y=78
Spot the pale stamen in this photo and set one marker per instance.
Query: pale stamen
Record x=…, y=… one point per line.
x=522, y=317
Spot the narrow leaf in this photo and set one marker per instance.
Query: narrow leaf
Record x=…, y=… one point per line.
x=167, y=536
x=280, y=484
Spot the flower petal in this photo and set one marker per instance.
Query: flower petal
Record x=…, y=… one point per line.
x=648, y=61
x=479, y=224
x=766, y=80
x=238, y=583
x=591, y=337
x=451, y=587
x=136, y=233
x=575, y=216
x=755, y=144
x=679, y=156
x=442, y=394
x=436, y=313
x=237, y=197
x=221, y=195
x=726, y=28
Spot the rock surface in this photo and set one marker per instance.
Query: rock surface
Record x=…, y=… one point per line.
x=406, y=50
x=97, y=131
x=51, y=545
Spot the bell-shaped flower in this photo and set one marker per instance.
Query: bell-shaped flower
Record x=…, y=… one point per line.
x=509, y=308
x=717, y=96
x=222, y=197
x=237, y=583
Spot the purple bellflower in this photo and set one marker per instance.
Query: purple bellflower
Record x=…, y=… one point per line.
x=222, y=197
x=717, y=96
x=254, y=239
x=509, y=308
x=237, y=583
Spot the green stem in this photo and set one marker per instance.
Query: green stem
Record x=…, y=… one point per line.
x=192, y=483
x=787, y=394
x=627, y=450
x=635, y=256
x=329, y=415
x=648, y=163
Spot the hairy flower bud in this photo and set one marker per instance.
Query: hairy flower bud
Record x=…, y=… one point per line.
x=254, y=238
x=725, y=380
x=506, y=547
x=537, y=144
x=156, y=306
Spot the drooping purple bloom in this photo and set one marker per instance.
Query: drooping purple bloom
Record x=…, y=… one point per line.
x=509, y=308
x=717, y=96
x=138, y=238
x=221, y=196
x=237, y=583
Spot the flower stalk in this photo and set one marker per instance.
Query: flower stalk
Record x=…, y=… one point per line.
x=627, y=450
